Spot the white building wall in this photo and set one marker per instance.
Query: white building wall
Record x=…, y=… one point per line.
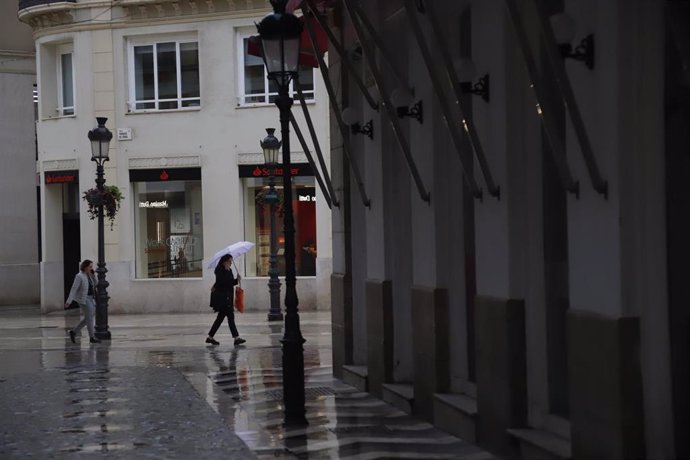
x=217, y=137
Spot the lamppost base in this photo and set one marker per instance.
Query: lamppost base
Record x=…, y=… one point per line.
x=299, y=420
x=103, y=335
x=275, y=316
x=293, y=376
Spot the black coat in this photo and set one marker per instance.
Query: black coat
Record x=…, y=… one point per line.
x=222, y=293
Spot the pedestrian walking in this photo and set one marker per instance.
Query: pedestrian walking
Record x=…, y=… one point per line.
x=222, y=299
x=84, y=292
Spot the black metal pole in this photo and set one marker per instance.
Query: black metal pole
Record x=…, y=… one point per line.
x=293, y=351
x=274, y=313
x=102, y=331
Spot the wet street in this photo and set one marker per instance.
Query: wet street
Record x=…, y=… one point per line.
x=158, y=391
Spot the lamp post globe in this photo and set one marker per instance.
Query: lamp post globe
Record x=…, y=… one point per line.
x=271, y=147
x=100, y=138
x=280, y=34
x=280, y=37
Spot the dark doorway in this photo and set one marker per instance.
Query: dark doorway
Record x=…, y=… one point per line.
x=71, y=240
x=71, y=243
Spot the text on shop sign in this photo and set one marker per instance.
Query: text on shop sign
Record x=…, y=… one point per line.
x=153, y=204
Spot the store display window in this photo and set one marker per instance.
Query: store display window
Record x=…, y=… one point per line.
x=257, y=218
x=168, y=223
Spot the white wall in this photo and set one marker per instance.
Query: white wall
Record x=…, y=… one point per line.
x=211, y=137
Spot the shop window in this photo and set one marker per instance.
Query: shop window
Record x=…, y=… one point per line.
x=169, y=228
x=258, y=225
x=164, y=76
x=255, y=88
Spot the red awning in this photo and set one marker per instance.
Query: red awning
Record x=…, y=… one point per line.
x=292, y=5
x=307, y=57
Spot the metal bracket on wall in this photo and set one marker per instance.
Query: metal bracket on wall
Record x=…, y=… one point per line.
x=317, y=146
x=558, y=67
x=335, y=107
x=387, y=104
x=556, y=141
x=340, y=49
x=305, y=147
x=437, y=82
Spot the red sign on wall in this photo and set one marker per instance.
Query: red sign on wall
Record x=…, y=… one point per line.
x=298, y=169
x=61, y=177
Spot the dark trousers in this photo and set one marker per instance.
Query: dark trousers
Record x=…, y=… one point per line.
x=219, y=320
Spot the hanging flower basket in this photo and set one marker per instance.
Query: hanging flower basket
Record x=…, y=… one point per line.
x=261, y=200
x=110, y=198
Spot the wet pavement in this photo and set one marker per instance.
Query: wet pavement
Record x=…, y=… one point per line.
x=158, y=391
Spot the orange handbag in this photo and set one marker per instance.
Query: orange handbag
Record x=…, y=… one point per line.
x=239, y=299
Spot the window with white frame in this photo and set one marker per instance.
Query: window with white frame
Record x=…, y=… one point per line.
x=164, y=75
x=65, y=80
x=256, y=88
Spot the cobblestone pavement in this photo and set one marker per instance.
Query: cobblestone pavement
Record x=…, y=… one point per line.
x=157, y=391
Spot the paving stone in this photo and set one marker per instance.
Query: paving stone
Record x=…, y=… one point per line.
x=158, y=391
x=125, y=412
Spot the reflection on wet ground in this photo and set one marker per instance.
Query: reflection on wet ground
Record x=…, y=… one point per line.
x=157, y=390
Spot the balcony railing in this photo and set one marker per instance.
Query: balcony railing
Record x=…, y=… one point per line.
x=29, y=3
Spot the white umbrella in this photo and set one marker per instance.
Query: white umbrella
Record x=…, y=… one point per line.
x=235, y=250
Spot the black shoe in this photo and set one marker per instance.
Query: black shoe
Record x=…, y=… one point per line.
x=94, y=340
x=212, y=341
x=239, y=341
x=72, y=336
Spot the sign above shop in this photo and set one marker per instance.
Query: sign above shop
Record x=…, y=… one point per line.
x=164, y=175
x=62, y=177
x=299, y=169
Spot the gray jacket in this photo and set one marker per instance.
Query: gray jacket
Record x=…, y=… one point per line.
x=80, y=288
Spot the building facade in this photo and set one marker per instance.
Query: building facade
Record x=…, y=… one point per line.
x=187, y=105
x=511, y=265
x=19, y=250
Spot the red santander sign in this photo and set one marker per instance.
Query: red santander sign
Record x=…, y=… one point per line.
x=296, y=169
x=61, y=177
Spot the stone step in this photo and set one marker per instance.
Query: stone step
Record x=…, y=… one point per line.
x=357, y=376
x=401, y=395
x=541, y=445
x=456, y=413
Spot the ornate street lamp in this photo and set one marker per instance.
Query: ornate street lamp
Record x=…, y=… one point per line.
x=280, y=38
x=271, y=147
x=100, y=138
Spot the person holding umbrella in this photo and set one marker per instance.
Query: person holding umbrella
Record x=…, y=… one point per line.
x=222, y=299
